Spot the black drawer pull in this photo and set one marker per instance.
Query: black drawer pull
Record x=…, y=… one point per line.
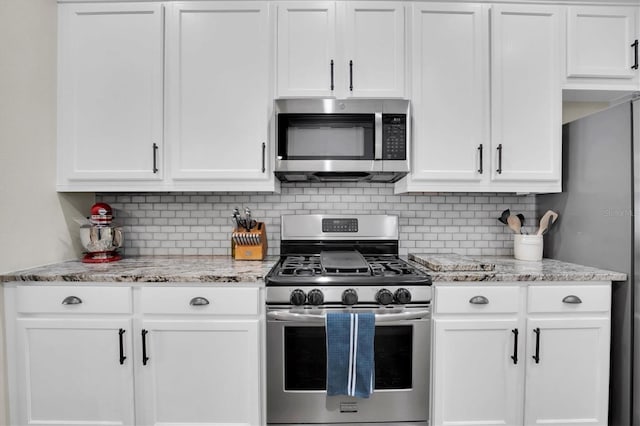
x=499, y=170
x=479, y=300
x=480, y=170
x=264, y=149
x=199, y=301
x=332, y=75
x=514, y=357
x=145, y=358
x=572, y=299
x=120, y=337
x=72, y=300
x=635, y=55
x=351, y=76
x=155, y=158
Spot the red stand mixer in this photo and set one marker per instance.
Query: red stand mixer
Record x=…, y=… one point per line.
x=100, y=237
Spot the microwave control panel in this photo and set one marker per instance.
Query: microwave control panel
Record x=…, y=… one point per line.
x=394, y=137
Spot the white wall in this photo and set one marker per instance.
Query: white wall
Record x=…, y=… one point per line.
x=36, y=223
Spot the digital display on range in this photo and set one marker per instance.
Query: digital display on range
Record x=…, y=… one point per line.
x=340, y=225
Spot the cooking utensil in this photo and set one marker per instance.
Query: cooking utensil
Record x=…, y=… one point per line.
x=514, y=223
x=546, y=221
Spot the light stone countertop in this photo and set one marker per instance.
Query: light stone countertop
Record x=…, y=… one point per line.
x=223, y=269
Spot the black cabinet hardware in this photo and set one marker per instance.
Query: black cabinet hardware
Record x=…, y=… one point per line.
x=480, y=155
x=332, y=75
x=199, y=301
x=572, y=299
x=264, y=149
x=72, y=300
x=514, y=357
x=479, y=300
x=635, y=55
x=155, y=158
x=122, y=357
x=145, y=358
x=536, y=357
x=499, y=159
x=351, y=76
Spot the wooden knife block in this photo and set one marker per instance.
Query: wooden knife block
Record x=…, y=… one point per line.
x=249, y=245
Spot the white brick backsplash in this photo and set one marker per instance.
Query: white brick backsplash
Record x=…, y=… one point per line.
x=200, y=223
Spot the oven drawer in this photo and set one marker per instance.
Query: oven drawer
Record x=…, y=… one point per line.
x=477, y=299
x=200, y=300
x=569, y=298
x=73, y=300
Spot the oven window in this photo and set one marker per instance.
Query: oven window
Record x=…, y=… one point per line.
x=326, y=136
x=305, y=358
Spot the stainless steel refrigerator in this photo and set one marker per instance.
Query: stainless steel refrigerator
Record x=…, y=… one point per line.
x=599, y=226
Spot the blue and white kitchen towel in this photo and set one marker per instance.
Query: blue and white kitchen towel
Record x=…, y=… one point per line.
x=350, y=365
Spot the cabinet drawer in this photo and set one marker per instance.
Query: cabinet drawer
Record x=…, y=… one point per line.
x=569, y=298
x=200, y=301
x=469, y=300
x=73, y=299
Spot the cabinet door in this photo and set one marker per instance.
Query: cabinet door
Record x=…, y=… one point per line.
x=307, y=61
x=475, y=379
x=450, y=84
x=570, y=382
x=375, y=49
x=70, y=372
x=110, y=92
x=600, y=42
x=200, y=372
x=218, y=100
x=526, y=95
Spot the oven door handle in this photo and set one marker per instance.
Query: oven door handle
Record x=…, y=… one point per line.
x=380, y=318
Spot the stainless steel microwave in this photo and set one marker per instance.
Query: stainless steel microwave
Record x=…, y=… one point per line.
x=342, y=140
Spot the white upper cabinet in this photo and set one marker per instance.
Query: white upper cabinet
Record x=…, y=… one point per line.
x=306, y=49
x=450, y=96
x=526, y=97
x=341, y=49
x=110, y=93
x=218, y=93
x=374, y=49
x=602, y=47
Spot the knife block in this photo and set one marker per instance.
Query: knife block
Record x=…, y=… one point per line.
x=249, y=245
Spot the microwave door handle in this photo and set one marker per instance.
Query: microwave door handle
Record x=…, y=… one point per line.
x=378, y=136
x=380, y=318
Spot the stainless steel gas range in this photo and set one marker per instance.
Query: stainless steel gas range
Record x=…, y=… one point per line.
x=346, y=263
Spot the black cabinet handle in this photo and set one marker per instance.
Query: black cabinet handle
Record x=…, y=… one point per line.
x=199, y=301
x=122, y=357
x=332, y=75
x=480, y=154
x=479, y=300
x=499, y=159
x=635, y=54
x=514, y=357
x=72, y=300
x=145, y=358
x=572, y=299
x=155, y=158
x=536, y=357
x=264, y=149
x=351, y=76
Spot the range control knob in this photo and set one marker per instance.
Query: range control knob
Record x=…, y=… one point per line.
x=297, y=297
x=315, y=297
x=349, y=297
x=384, y=297
x=402, y=296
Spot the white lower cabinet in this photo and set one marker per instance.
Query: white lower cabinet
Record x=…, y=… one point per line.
x=179, y=357
x=515, y=355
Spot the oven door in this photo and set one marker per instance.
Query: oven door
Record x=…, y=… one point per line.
x=296, y=371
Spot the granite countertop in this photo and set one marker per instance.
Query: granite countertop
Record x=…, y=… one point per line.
x=224, y=269
x=506, y=268
x=152, y=269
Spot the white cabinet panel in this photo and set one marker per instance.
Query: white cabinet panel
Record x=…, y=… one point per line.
x=218, y=98
x=476, y=381
x=600, y=44
x=110, y=88
x=375, y=53
x=450, y=86
x=69, y=372
x=569, y=383
x=306, y=49
x=201, y=372
x=526, y=95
